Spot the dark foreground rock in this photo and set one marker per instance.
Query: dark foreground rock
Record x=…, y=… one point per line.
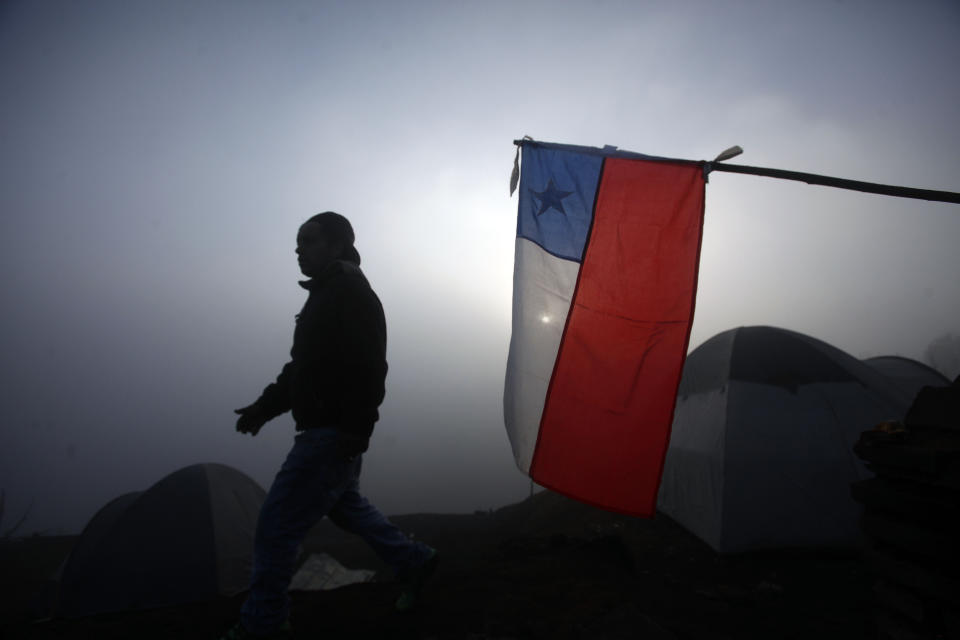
x=911, y=519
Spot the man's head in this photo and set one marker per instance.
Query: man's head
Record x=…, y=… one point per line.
x=322, y=239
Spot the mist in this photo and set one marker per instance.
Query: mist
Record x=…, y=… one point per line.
x=158, y=158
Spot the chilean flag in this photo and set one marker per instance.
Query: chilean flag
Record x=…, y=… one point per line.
x=605, y=279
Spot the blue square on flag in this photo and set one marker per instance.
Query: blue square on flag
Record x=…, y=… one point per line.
x=557, y=192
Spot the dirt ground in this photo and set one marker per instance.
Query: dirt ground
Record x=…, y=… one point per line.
x=546, y=568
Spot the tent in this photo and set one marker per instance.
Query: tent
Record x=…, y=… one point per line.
x=909, y=374
x=187, y=538
x=761, y=454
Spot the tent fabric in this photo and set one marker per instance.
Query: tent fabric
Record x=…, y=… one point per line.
x=908, y=374
x=85, y=548
x=761, y=451
x=187, y=538
x=768, y=356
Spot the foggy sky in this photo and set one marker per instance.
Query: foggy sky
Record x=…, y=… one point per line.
x=156, y=160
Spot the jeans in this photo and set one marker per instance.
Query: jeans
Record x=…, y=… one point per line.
x=314, y=481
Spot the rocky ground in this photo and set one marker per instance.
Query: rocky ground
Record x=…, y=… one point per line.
x=546, y=568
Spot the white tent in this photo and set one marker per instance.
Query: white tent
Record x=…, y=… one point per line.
x=187, y=538
x=761, y=454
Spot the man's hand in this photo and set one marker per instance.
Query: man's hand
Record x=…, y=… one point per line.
x=251, y=419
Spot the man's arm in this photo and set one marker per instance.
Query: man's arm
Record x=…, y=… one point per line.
x=274, y=401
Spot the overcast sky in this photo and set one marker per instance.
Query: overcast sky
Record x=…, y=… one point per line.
x=156, y=159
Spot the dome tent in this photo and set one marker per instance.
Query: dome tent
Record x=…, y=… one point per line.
x=761, y=450
x=187, y=538
x=909, y=374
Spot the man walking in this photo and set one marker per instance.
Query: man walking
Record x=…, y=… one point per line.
x=333, y=386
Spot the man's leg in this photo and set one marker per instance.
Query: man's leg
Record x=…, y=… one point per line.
x=307, y=486
x=355, y=514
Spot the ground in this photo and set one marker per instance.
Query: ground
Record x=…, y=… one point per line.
x=546, y=568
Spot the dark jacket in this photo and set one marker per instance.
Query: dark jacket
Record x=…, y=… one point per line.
x=335, y=377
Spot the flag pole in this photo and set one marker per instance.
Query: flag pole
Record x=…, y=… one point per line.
x=839, y=183
x=799, y=176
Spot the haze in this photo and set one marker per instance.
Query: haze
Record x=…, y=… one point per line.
x=157, y=159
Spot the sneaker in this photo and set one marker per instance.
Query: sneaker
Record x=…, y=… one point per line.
x=413, y=580
x=239, y=632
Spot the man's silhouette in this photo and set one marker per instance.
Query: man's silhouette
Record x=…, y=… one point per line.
x=332, y=385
